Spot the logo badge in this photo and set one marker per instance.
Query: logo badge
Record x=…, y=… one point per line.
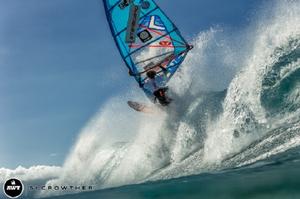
x=13, y=188
x=145, y=36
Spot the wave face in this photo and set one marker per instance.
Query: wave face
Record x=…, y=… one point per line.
x=237, y=102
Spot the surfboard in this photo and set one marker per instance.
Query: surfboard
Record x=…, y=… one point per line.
x=141, y=107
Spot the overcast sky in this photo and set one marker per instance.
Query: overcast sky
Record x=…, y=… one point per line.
x=58, y=65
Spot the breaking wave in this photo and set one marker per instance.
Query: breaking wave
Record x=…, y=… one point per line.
x=237, y=102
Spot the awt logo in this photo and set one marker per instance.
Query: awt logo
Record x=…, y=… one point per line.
x=13, y=188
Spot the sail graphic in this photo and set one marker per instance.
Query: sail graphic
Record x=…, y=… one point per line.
x=146, y=38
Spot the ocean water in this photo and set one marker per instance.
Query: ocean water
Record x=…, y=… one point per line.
x=277, y=177
x=234, y=131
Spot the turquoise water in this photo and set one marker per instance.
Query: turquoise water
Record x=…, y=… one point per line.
x=278, y=177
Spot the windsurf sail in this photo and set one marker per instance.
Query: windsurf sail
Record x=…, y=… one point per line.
x=147, y=39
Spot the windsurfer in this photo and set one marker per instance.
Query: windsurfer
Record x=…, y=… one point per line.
x=160, y=93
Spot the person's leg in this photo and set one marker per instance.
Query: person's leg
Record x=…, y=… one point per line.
x=160, y=94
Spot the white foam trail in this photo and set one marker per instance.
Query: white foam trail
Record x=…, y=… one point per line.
x=96, y=157
x=294, y=142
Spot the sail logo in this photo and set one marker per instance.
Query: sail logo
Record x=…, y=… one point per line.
x=176, y=61
x=156, y=23
x=13, y=188
x=134, y=17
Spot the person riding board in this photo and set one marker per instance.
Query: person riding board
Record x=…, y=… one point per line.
x=159, y=92
x=155, y=84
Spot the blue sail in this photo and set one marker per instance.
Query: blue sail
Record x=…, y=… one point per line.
x=146, y=38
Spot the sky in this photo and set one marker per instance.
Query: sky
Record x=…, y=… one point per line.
x=59, y=65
